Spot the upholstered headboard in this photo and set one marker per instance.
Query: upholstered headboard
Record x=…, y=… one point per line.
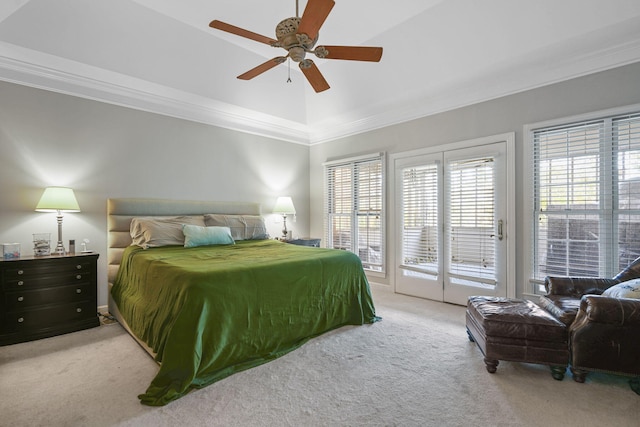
x=121, y=211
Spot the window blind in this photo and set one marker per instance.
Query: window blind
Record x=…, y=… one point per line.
x=470, y=224
x=420, y=251
x=586, y=197
x=354, y=213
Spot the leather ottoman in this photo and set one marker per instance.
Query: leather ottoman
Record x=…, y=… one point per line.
x=517, y=330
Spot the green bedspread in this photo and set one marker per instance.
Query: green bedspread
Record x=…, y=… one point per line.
x=211, y=311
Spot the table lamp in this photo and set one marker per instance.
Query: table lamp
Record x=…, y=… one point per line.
x=58, y=199
x=284, y=206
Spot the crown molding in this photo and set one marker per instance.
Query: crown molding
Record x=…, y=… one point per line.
x=43, y=71
x=508, y=80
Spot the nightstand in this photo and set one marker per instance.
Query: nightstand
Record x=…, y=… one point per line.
x=46, y=296
x=305, y=241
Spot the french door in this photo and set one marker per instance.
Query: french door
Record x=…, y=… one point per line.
x=451, y=221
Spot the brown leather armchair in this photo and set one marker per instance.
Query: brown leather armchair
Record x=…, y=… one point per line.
x=605, y=337
x=604, y=332
x=564, y=293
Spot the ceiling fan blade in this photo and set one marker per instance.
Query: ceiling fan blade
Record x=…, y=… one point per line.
x=312, y=73
x=219, y=25
x=266, y=66
x=352, y=53
x=314, y=16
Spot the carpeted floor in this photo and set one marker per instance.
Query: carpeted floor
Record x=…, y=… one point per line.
x=414, y=368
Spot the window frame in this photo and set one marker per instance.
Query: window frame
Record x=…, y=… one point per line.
x=355, y=214
x=534, y=286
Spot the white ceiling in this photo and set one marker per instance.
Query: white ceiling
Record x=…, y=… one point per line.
x=161, y=56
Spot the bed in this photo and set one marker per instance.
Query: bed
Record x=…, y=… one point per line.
x=226, y=299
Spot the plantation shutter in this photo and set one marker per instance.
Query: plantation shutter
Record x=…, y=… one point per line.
x=368, y=211
x=626, y=136
x=354, y=214
x=587, y=197
x=339, y=207
x=420, y=226
x=470, y=226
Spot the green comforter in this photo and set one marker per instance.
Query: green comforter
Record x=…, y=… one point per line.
x=211, y=311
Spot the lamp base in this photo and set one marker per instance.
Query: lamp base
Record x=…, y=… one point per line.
x=285, y=232
x=60, y=249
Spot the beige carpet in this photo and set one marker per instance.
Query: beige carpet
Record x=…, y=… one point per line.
x=415, y=368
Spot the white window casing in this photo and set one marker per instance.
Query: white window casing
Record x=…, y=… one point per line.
x=354, y=208
x=585, y=188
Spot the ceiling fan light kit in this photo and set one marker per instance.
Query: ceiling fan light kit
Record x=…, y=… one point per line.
x=298, y=37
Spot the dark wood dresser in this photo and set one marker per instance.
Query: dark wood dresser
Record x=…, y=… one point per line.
x=46, y=296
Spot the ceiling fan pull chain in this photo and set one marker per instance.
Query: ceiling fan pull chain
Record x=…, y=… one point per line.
x=289, y=70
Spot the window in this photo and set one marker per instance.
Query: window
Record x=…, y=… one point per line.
x=470, y=224
x=420, y=226
x=354, y=213
x=586, y=218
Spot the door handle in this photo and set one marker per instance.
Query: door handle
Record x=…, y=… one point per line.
x=500, y=234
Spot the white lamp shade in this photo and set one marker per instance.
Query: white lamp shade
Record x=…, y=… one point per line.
x=58, y=199
x=284, y=206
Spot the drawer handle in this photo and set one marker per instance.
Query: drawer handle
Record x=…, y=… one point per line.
x=78, y=291
x=79, y=276
x=78, y=310
x=20, y=272
x=79, y=267
x=20, y=298
x=20, y=283
x=20, y=319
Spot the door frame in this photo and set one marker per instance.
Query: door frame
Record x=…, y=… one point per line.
x=510, y=223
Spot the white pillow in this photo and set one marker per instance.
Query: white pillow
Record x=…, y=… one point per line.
x=628, y=289
x=243, y=227
x=195, y=235
x=150, y=232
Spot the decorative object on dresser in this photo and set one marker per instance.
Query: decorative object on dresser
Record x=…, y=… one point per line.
x=47, y=295
x=58, y=199
x=305, y=241
x=10, y=250
x=41, y=244
x=284, y=206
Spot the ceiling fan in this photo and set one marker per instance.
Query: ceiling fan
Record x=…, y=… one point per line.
x=298, y=37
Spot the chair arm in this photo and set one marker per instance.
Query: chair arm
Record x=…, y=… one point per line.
x=577, y=286
x=617, y=311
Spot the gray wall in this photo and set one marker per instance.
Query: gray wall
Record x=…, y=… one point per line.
x=608, y=89
x=104, y=151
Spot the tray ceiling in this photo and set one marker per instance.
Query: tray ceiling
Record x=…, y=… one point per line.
x=161, y=56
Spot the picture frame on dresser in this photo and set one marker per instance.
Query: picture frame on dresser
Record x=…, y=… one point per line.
x=45, y=296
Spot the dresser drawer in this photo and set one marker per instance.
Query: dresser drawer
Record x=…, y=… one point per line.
x=48, y=316
x=32, y=298
x=47, y=280
x=46, y=269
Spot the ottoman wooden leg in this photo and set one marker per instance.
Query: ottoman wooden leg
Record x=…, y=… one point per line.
x=492, y=365
x=557, y=372
x=579, y=375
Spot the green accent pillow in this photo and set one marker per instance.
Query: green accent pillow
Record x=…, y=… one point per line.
x=195, y=235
